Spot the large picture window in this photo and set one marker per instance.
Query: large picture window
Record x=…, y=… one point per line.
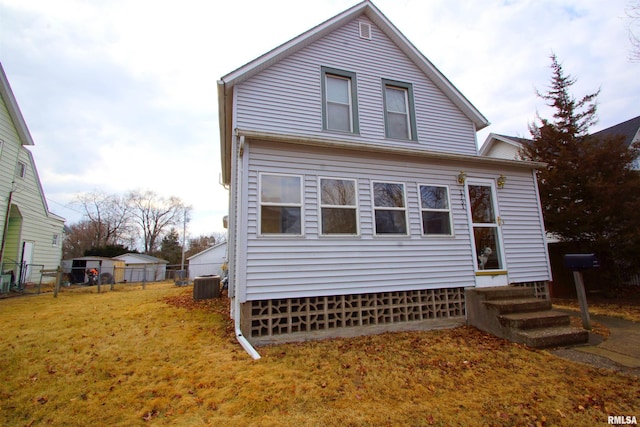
x=390, y=208
x=339, y=100
x=338, y=207
x=280, y=204
x=435, y=210
x=399, y=115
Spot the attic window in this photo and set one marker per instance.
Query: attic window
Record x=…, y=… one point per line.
x=22, y=170
x=365, y=30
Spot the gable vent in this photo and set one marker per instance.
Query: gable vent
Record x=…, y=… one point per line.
x=365, y=30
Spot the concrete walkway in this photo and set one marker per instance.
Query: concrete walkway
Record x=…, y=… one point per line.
x=619, y=352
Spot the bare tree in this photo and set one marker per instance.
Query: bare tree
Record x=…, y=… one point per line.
x=204, y=241
x=155, y=215
x=108, y=218
x=633, y=13
x=78, y=239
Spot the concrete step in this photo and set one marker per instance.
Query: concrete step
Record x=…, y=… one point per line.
x=534, y=319
x=518, y=305
x=553, y=337
x=504, y=292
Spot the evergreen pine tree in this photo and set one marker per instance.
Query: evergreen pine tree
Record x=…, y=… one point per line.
x=589, y=193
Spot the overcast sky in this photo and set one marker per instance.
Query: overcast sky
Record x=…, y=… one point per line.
x=121, y=94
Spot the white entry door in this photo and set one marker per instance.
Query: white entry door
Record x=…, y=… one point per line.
x=27, y=260
x=486, y=232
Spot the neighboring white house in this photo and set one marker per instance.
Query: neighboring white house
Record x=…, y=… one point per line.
x=508, y=147
x=358, y=201
x=143, y=268
x=208, y=262
x=502, y=146
x=31, y=235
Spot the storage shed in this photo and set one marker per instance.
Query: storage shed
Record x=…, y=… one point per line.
x=109, y=270
x=143, y=268
x=208, y=262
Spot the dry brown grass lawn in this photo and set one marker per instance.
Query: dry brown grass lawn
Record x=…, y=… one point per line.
x=154, y=357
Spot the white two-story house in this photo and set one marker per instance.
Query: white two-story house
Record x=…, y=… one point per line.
x=358, y=201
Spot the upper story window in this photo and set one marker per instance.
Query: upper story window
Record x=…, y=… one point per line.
x=339, y=101
x=55, y=241
x=435, y=210
x=338, y=207
x=22, y=169
x=390, y=208
x=280, y=204
x=399, y=114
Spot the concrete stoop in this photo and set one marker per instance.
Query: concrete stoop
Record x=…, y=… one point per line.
x=514, y=313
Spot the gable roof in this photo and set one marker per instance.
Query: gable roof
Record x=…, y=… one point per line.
x=143, y=258
x=630, y=129
x=209, y=249
x=14, y=110
x=493, y=138
x=227, y=83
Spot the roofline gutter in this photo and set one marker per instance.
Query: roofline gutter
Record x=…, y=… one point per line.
x=379, y=148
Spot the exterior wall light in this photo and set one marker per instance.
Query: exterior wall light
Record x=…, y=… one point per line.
x=462, y=177
x=501, y=180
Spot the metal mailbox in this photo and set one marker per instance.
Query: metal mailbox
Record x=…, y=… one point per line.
x=578, y=262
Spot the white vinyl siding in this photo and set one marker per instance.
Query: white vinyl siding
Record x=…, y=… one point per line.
x=522, y=234
x=287, y=97
x=295, y=266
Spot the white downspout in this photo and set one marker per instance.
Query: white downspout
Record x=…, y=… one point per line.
x=236, y=302
x=241, y=339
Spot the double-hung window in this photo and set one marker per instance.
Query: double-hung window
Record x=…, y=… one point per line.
x=280, y=204
x=338, y=207
x=399, y=114
x=390, y=208
x=339, y=101
x=435, y=210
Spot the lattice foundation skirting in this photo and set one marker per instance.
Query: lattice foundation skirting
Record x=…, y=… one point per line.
x=541, y=288
x=269, y=318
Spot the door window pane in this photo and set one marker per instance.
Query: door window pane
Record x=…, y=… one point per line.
x=481, y=204
x=487, y=248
